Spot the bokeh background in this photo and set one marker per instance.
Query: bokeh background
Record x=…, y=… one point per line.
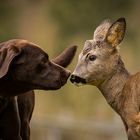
x=72, y=113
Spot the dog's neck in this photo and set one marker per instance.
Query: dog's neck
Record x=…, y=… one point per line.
x=8, y=87
x=113, y=86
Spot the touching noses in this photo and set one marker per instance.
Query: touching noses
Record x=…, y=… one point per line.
x=77, y=79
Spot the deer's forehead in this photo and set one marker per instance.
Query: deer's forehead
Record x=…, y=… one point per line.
x=96, y=47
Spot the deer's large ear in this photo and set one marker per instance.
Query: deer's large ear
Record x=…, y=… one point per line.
x=101, y=31
x=65, y=58
x=7, y=54
x=116, y=32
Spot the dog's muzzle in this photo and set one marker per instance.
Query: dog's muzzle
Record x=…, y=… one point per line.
x=77, y=79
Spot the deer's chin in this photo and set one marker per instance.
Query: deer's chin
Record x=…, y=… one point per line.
x=94, y=82
x=79, y=84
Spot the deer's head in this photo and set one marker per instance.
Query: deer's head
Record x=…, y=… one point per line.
x=100, y=57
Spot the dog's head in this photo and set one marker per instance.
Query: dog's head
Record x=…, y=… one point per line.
x=29, y=66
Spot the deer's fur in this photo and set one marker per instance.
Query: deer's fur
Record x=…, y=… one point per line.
x=100, y=64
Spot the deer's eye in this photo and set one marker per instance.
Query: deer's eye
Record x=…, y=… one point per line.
x=92, y=57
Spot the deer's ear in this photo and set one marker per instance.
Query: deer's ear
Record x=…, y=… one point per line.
x=116, y=32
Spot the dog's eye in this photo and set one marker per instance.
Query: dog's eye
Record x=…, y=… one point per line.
x=44, y=60
x=92, y=57
x=40, y=67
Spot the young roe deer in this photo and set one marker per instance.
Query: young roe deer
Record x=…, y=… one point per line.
x=100, y=65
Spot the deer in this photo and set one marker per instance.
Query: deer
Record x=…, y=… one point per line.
x=100, y=64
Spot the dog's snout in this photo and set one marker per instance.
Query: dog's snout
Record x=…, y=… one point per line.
x=65, y=73
x=68, y=73
x=77, y=79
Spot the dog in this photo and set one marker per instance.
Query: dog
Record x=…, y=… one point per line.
x=25, y=67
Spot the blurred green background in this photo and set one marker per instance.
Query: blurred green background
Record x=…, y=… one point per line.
x=71, y=113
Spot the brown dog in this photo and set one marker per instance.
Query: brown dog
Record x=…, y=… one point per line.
x=23, y=68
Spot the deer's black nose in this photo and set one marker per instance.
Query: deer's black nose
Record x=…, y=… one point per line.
x=77, y=79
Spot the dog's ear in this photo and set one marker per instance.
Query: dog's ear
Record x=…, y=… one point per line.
x=7, y=54
x=65, y=58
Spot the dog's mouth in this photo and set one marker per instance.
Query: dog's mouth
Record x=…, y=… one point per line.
x=63, y=81
x=60, y=83
x=64, y=78
x=52, y=84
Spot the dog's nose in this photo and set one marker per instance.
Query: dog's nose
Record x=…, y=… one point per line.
x=68, y=73
x=64, y=76
x=77, y=79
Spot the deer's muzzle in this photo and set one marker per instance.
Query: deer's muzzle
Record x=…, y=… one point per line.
x=77, y=79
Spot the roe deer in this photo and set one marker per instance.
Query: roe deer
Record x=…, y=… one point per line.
x=100, y=65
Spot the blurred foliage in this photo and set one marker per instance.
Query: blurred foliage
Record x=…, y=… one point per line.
x=81, y=16
x=54, y=25
x=8, y=14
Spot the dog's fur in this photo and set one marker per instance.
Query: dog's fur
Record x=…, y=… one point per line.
x=23, y=68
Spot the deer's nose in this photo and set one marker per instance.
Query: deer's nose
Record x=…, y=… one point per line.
x=77, y=79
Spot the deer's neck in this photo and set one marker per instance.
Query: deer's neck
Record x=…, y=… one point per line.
x=112, y=87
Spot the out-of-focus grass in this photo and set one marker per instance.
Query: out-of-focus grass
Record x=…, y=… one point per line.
x=54, y=25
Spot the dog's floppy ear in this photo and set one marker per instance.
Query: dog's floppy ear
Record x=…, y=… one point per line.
x=7, y=54
x=65, y=58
